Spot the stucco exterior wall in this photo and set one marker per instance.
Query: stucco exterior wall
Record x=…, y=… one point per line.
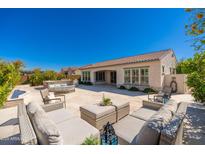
x=169, y=61
x=180, y=80
x=154, y=72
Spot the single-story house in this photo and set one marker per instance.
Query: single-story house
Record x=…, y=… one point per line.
x=70, y=71
x=144, y=70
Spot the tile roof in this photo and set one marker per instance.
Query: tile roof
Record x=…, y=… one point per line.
x=153, y=56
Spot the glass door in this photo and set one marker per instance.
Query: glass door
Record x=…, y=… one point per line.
x=113, y=77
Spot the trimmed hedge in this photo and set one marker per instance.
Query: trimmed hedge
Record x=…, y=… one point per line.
x=122, y=87
x=149, y=90
x=134, y=89
x=86, y=83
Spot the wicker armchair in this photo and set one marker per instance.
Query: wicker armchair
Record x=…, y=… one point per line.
x=163, y=96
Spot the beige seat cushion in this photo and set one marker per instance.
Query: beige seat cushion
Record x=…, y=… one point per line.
x=127, y=128
x=143, y=113
x=96, y=111
x=150, y=133
x=46, y=130
x=76, y=130
x=60, y=115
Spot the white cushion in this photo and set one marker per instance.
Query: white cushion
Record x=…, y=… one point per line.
x=60, y=115
x=51, y=96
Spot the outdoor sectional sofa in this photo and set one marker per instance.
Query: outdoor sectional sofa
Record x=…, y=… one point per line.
x=153, y=124
x=52, y=124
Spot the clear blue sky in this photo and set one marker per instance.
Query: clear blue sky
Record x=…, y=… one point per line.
x=55, y=38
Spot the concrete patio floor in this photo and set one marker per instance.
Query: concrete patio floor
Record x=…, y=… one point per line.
x=91, y=95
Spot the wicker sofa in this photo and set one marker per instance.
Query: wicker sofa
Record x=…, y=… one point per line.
x=153, y=124
x=52, y=124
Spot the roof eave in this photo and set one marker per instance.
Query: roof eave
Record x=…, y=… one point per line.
x=127, y=63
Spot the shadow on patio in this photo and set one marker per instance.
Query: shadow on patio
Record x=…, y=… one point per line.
x=111, y=89
x=194, y=126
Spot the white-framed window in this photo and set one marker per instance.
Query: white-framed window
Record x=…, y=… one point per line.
x=127, y=75
x=135, y=75
x=144, y=72
x=138, y=76
x=86, y=76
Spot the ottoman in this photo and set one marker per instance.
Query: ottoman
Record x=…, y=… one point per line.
x=122, y=109
x=97, y=115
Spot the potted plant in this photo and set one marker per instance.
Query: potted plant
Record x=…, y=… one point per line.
x=91, y=141
x=105, y=101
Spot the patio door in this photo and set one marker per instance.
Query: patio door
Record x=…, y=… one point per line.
x=113, y=77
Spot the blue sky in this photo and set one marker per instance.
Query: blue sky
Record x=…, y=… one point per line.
x=56, y=38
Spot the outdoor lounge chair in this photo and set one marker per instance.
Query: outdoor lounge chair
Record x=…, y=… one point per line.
x=163, y=95
x=52, y=124
x=48, y=97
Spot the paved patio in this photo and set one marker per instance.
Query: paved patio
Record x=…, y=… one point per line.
x=90, y=95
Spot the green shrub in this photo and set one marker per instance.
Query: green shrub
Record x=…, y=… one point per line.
x=91, y=141
x=36, y=78
x=122, y=87
x=149, y=90
x=89, y=83
x=9, y=77
x=60, y=76
x=133, y=89
x=86, y=83
x=195, y=68
x=49, y=75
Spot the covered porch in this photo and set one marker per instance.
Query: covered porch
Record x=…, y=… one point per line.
x=105, y=77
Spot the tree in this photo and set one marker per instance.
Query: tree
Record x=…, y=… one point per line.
x=195, y=67
x=18, y=64
x=9, y=77
x=195, y=28
x=49, y=75
x=36, y=78
x=61, y=76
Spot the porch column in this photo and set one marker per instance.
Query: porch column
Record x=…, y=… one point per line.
x=92, y=76
x=139, y=76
